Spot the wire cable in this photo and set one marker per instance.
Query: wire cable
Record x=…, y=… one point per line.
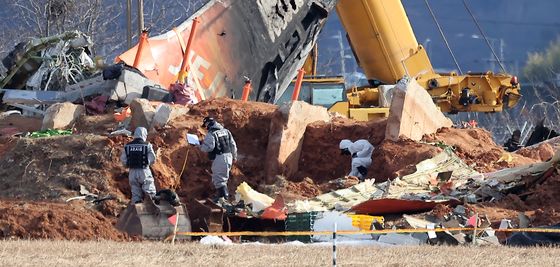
x=443, y=36
x=484, y=36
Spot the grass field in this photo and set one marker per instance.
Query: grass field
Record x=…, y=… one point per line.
x=67, y=253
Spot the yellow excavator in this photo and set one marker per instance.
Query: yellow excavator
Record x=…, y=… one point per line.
x=386, y=48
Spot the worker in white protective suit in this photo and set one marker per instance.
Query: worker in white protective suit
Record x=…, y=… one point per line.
x=222, y=150
x=360, y=151
x=138, y=155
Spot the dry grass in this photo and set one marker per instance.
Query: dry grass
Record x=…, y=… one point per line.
x=67, y=253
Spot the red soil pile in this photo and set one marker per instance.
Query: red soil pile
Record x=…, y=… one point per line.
x=477, y=148
x=32, y=220
x=54, y=168
x=541, y=203
x=16, y=123
x=6, y=145
x=100, y=124
x=320, y=156
x=539, y=152
x=321, y=159
x=249, y=123
x=393, y=159
x=304, y=189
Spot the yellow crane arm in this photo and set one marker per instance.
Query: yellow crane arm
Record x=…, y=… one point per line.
x=386, y=49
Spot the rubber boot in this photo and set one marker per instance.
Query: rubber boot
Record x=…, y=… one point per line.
x=219, y=194
x=224, y=192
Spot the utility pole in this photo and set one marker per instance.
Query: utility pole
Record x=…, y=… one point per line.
x=128, y=23
x=140, y=17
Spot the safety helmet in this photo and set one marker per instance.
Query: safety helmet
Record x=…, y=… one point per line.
x=208, y=122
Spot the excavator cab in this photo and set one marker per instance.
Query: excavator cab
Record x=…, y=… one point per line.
x=152, y=221
x=317, y=90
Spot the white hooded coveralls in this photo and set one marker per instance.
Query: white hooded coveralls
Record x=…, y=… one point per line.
x=361, y=152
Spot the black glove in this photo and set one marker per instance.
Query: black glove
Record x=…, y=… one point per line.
x=363, y=170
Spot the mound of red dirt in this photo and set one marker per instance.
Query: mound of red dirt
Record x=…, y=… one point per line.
x=48, y=169
x=320, y=156
x=393, y=159
x=477, y=148
x=540, y=152
x=249, y=123
x=541, y=203
x=32, y=220
x=54, y=168
x=15, y=123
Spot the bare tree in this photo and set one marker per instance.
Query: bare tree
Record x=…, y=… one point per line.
x=103, y=20
x=163, y=16
x=40, y=18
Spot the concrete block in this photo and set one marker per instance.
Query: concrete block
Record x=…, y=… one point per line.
x=130, y=86
x=165, y=113
x=31, y=97
x=142, y=113
x=62, y=116
x=413, y=113
x=285, y=139
x=95, y=85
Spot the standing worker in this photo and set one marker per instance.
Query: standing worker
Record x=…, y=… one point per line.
x=222, y=150
x=360, y=151
x=138, y=155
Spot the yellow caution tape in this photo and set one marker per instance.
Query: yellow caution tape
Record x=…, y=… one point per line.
x=347, y=232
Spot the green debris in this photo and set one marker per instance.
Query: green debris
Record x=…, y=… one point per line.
x=49, y=133
x=443, y=145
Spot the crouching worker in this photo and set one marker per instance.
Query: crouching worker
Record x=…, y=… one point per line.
x=360, y=151
x=222, y=150
x=138, y=155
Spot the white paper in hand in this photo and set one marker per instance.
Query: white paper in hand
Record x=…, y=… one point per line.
x=193, y=139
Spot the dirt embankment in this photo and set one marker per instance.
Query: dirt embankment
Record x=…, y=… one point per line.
x=52, y=169
x=477, y=148
x=16, y=124
x=320, y=157
x=58, y=221
x=539, y=152
x=541, y=203
x=249, y=123
x=393, y=159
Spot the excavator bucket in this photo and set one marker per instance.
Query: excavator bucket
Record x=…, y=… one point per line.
x=208, y=217
x=153, y=221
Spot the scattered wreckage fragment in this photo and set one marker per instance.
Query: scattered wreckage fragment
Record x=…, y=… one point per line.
x=49, y=63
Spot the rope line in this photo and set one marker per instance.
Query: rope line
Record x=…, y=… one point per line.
x=351, y=232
